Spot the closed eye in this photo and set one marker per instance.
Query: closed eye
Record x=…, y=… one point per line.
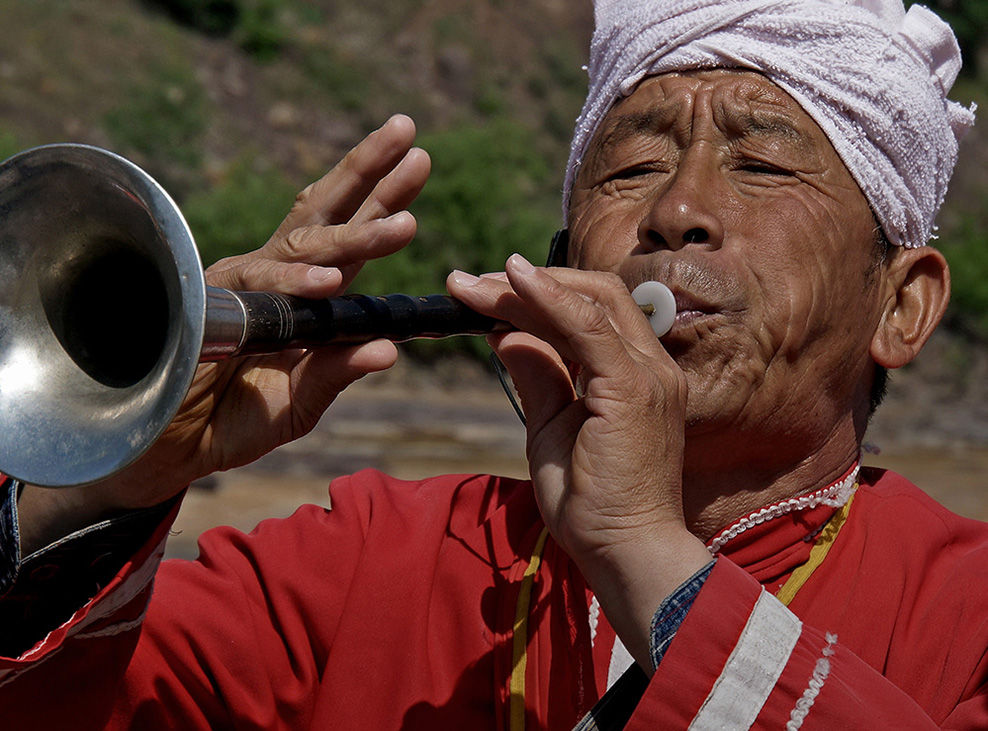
x=632, y=172
x=637, y=171
x=760, y=167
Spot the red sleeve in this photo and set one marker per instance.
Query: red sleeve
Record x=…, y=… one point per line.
x=742, y=660
x=242, y=634
x=227, y=637
x=245, y=636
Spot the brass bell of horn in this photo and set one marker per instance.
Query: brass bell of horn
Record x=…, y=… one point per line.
x=102, y=313
x=105, y=315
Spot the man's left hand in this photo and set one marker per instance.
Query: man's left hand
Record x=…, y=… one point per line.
x=605, y=406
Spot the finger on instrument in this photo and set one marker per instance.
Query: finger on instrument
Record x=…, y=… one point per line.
x=562, y=306
x=323, y=373
x=533, y=361
x=296, y=278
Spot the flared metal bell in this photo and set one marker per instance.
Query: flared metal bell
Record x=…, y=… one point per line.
x=102, y=312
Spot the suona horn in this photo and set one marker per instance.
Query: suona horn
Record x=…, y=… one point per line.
x=105, y=315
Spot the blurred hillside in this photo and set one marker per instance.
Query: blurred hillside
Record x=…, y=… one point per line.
x=234, y=105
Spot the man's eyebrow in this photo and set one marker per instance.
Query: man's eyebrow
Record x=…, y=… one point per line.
x=660, y=118
x=761, y=124
x=638, y=124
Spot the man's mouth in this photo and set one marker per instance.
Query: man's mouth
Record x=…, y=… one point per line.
x=691, y=307
x=703, y=294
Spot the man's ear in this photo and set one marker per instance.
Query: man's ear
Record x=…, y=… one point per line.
x=916, y=290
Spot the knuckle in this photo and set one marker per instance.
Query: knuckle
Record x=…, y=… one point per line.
x=351, y=167
x=310, y=205
x=227, y=272
x=226, y=264
x=303, y=198
x=267, y=274
x=295, y=246
x=672, y=391
x=597, y=323
x=350, y=159
x=252, y=275
x=608, y=289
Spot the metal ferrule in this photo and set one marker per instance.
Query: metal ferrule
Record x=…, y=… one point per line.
x=226, y=325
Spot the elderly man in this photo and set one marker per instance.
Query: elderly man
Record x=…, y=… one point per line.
x=698, y=546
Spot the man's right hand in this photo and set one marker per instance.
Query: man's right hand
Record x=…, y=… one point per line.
x=239, y=410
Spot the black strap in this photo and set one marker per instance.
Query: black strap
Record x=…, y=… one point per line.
x=613, y=711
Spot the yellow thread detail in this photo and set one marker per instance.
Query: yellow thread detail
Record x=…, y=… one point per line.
x=819, y=552
x=519, y=650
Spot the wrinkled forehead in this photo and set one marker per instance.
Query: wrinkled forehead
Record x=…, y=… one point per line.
x=737, y=103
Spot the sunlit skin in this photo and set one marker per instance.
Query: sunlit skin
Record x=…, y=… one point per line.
x=719, y=185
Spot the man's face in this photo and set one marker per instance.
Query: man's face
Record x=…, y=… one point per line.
x=718, y=184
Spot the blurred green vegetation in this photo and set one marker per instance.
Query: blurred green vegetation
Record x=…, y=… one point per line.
x=213, y=17
x=245, y=205
x=10, y=144
x=343, y=78
x=256, y=25
x=161, y=121
x=966, y=247
x=260, y=30
x=963, y=224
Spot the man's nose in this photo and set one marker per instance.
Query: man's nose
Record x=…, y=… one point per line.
x=685, y=210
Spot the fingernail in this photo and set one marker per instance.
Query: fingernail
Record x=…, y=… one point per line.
x=464, y=279
x=323, y=274
x=400, y=218
x=521, y=265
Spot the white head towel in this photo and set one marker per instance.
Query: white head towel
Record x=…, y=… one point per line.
x=874, y=77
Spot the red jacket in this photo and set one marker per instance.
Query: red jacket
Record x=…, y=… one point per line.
x=395, y=609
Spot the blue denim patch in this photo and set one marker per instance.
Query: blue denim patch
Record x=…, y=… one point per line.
x=671, y=613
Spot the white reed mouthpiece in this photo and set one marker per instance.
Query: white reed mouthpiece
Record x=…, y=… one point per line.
x=662, y=302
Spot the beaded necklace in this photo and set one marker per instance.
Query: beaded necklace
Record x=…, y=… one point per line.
x=835, y=495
